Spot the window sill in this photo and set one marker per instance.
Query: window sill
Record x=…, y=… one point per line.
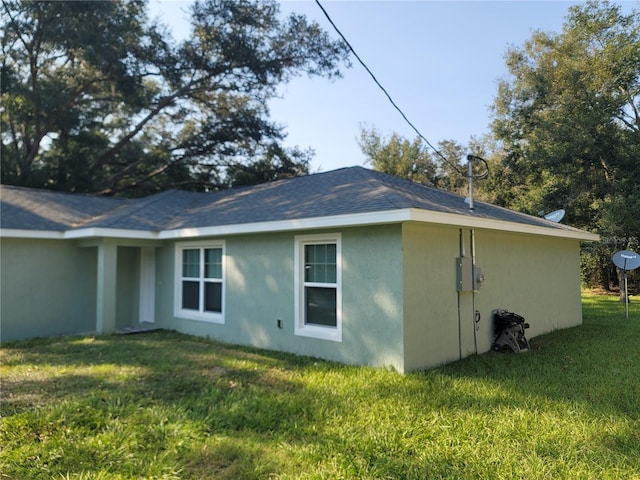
x=320, y=333
x=209, y=318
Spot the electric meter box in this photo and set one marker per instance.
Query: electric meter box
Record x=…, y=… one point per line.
x=469, y=277
x=464, y=274
x=478, y=278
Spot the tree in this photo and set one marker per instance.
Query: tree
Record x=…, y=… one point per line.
x=98, y=99
x=569, y=119
x=397, y=156
x=452, y=172
x=276, y=164
x=412, y=160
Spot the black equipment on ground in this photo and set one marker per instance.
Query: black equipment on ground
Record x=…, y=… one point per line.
x=508, y=328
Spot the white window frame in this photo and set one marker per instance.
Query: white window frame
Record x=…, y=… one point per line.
x=200, y=314
x=301, y=327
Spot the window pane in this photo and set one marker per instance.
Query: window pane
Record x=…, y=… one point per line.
x=308, y=272
x=213, y=263
x=213, y=297
x=191, y=295
x=320, y=306
x=331, y=274
x=191, y=263
x=320, y=273
x=331, y=252
x=320, y=263
x=308, y=262
x=321, y=253
x=309, y=253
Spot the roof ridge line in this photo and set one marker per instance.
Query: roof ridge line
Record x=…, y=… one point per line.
x=373, y=177
x=122, y=205
x=135, y=205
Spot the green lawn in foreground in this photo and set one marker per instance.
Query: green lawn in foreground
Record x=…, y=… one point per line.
x=168, y=406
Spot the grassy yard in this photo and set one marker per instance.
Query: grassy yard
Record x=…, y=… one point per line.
x=168, y=406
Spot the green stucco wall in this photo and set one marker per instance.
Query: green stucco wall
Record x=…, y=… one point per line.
x=48, y=287
x=400, y=304
x=372, y=296
x=430, y=295
x=260, y=291
x=127, y=287
x=535, y=276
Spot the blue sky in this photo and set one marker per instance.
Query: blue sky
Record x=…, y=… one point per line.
x=439, y=60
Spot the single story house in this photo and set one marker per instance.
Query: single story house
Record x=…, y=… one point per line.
x=350, y=265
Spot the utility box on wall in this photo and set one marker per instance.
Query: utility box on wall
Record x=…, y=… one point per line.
x=478, y=278
x=464, y=274
x=469, y=277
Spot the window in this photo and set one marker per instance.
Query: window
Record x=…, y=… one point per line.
x=318, y=300
x=200, y=281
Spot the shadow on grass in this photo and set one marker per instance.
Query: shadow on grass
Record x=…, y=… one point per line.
x=156, y=392
x=162, y=366
x=596, y=365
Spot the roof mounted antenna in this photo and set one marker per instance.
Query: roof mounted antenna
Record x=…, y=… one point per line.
x=470, y=159
x=471, y=176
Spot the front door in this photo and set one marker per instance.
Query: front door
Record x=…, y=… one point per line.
x=147, y=284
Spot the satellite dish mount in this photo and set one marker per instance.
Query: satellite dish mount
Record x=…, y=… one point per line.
x=626, y=260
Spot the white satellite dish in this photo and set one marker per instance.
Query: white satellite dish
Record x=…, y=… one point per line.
x=555, y=216
x=626, y=260
x=467, y=200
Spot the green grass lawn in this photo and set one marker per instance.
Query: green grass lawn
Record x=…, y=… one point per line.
x=168, y=406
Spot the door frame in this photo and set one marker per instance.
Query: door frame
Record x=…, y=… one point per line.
x=147, y=300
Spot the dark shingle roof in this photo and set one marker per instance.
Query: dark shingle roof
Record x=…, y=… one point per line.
x=352, y=190
x=31, y=209
x=151, y=213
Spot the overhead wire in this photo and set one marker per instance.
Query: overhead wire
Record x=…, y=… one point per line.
x=415, y=129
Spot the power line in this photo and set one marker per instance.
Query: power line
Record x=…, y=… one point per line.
x=455, y=167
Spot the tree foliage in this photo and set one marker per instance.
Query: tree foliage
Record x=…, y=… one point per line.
x=275, y=164
x=411, y=159
x=566, y=133
x=397, y=156
x=569, y=116
x=97, y=98
x=569, y=120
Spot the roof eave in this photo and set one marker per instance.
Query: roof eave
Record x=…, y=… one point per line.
x=469, y=221
x=99, y=232
x=378, y=218
x=26, y=233
x=314, y=223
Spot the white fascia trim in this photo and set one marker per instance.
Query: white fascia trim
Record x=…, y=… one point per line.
x=358, y=219
x=376, y=218
x=491, y=224
x=110, y=233
x=81, y=233
x=21, y=233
